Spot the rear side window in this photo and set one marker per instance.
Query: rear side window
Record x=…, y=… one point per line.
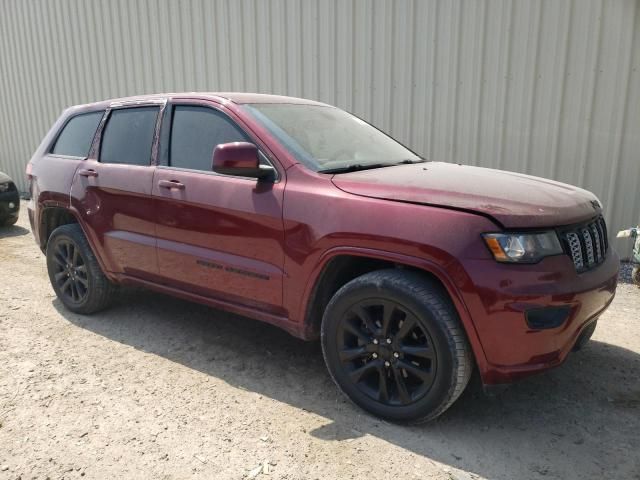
x=77, y=135
x=195, y=132
x=128, y=136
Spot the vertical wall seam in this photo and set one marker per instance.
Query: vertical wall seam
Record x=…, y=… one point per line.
x=592, y=100
x=483, y=51
x=434, y=86
x=565, y=62
x=534, y=86
x=456, y=82
x=507, y=87
x=613, y=178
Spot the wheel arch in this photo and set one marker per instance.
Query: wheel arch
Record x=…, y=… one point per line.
x=339, y=266
x=54, y=216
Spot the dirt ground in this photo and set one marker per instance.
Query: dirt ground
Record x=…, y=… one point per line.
x=160, y=388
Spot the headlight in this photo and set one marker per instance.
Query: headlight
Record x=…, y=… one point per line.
x=4, y=186
x=522, y=247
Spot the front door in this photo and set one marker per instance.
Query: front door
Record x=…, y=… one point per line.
x=112, y=192
x=218, y=236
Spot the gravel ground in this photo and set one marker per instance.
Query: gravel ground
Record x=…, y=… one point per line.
x=160, y=388
x=625, y=272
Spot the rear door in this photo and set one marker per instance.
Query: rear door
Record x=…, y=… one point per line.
x=112, y=189
x=218, y=236
x=52, y=175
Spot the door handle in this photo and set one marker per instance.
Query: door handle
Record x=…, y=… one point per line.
x=88, y=172
x=171, y=184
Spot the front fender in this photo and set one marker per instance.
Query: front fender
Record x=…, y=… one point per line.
x=444, y=276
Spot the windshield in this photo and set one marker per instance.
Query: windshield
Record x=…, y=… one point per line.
x=328, y=139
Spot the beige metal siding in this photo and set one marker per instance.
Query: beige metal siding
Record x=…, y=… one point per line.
x=548, y=88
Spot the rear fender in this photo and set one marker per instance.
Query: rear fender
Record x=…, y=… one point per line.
x=86, y=231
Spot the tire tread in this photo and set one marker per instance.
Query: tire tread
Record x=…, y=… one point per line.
x=102, y=289
x=429, y=292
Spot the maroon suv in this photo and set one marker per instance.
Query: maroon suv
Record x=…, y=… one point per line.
x=299, y=214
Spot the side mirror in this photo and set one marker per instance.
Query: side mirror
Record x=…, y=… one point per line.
x=239, y=158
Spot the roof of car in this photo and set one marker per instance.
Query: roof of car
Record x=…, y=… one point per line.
x=235, y=97
x=239, y=97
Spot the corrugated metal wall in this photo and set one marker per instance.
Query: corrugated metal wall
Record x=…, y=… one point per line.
x=550, y=88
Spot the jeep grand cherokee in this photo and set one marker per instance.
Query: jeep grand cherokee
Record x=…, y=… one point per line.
x=296, y=213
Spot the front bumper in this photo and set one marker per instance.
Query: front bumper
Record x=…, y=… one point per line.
x=504, y=294
x=9, y=205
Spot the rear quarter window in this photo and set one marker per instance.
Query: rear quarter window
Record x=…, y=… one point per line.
x=76, y=136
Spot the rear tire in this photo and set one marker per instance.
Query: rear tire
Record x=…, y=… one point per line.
x=393, y=343
x=74, y=271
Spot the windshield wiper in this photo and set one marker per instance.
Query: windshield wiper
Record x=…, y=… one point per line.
x=355, y=167
x=410, y=162
x=369, y=166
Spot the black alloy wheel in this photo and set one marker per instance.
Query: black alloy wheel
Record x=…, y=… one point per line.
x=387, y=353
x=70, y=271
x=75, y=273
x=394, y=344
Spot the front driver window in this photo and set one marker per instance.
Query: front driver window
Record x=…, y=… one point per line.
x=195, y=132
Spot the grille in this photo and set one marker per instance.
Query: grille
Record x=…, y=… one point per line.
x=587, y=244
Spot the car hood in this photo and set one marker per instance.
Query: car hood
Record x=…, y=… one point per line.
x=4, y=178
x=512, y=199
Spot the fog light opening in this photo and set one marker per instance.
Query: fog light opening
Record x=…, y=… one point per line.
x=547, y=317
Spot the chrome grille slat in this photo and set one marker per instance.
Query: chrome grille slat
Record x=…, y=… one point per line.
x=587, y=244
x=576, y=250
x=596, y=236
x=603, y=225
x=603, y=247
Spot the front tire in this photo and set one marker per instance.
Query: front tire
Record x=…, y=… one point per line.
x=74, y=271
x=585, y=336
x=393, y=343
x=10, y=222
